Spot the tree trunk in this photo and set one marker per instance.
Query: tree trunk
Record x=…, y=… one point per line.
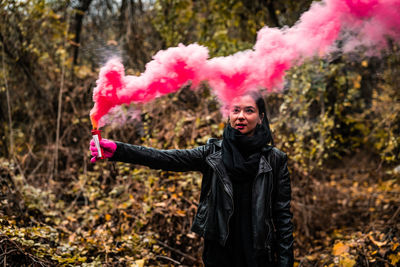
x=79, y=15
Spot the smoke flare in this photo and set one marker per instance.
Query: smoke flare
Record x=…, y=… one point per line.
x=367, y=23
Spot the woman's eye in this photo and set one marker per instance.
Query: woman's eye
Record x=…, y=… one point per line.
x=236, y=110
x=249, y=111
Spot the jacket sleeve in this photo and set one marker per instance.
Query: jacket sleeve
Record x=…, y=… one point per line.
x=283, y=216
x=168, y=160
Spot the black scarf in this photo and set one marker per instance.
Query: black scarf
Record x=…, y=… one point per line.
x=241, y=154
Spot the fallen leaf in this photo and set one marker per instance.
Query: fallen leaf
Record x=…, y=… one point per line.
x=139, y=263
x=394, y=258
x=340, y=248
x=378, y=243
x=347, y=262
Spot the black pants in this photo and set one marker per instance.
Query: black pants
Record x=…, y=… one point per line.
x=215, y=255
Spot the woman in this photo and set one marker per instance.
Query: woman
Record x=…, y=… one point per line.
x=244, y=208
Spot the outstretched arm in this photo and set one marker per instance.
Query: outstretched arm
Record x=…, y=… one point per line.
x=170, y=160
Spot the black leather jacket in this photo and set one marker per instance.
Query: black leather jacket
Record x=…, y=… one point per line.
x=271, y=215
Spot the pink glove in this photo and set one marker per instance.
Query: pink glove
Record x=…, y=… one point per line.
x=108, y=146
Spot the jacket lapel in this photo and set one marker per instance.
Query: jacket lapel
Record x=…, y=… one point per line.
x=215, y=162
x=264, y=166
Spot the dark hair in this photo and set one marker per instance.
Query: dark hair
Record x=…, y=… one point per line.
x=262, y=111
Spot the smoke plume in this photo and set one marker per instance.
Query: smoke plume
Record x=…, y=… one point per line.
x=366, y=23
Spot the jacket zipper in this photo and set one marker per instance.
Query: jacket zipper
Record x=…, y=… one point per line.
x=272, y=220
x=229, y=218
x=231, y=197
x=227, y=191
x=269, y=253
x=270, y=205
x=252, y=201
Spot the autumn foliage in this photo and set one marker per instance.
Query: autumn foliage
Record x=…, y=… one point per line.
x=337, y=119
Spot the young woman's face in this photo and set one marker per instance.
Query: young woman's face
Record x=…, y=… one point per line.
x=243, y=115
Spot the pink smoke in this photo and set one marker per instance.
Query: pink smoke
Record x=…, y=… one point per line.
x=120, y=115
x=362, y=22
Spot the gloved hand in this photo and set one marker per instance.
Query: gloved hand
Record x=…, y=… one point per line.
x=108, y=146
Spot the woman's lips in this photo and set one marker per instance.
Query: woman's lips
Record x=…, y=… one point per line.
x=240, y=126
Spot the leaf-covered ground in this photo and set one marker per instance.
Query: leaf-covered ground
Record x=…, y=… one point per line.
x=116, y=214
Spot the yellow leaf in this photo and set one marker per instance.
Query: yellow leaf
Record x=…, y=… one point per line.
x=171, y=189
x=181, y=213
x=71, y=238
x=340, y=248
x=378, y=243
x=82, y=259
x=108, y=217
x=70, y=218
x=347, y=262
x=394, y=258
x=312, y=257
x=364, y=63
x=191, y=235
x=139, y=263
x=82, y=72
x=160, y=204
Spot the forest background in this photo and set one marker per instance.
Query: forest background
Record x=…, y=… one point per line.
x=337, y=119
